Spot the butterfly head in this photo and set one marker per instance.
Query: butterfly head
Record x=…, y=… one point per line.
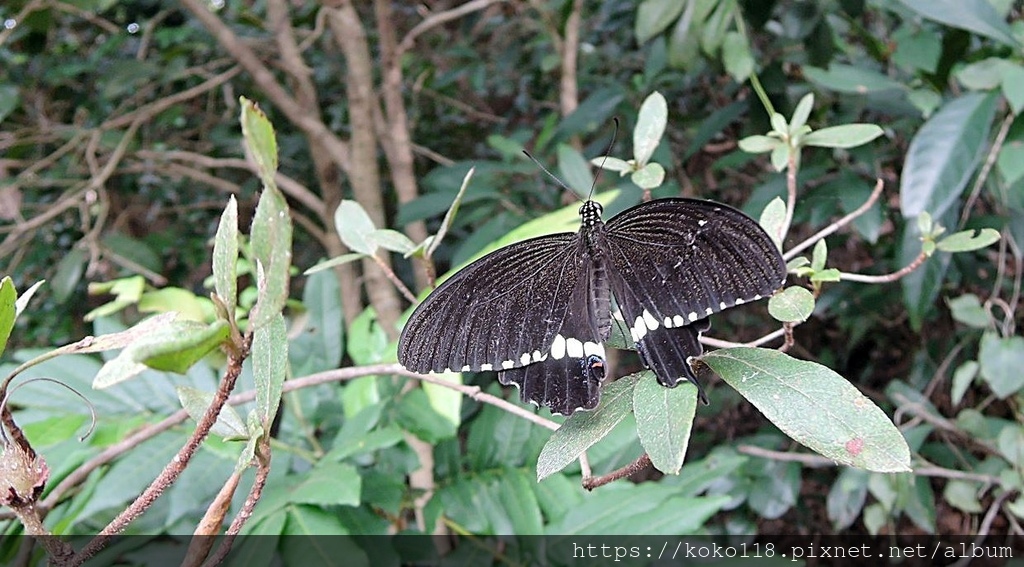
x=590, y=213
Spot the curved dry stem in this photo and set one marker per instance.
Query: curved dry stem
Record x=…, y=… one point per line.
x=885, y=278
x=88, y=404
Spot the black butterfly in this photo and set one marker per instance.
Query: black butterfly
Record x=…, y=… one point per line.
x=539, y=311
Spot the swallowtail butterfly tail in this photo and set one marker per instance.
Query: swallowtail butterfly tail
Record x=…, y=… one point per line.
x=539, y=311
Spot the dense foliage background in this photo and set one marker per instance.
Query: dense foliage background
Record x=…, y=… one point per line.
x=119, y=147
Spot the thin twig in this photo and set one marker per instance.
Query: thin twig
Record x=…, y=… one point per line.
x=792, y=252
x=394, y=279
x=439, y=18
x=641, y=463
x=805, y=459
x=990, y=160
x=885, y=278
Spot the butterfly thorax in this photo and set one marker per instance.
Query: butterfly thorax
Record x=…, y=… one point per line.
x=594, y=306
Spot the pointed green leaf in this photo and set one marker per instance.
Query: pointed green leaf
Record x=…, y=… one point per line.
x=269, y=366
x=758, y=144
x=815, y=406
x=174, y=346
x=654, y=17
x=432, y=242
x=780, y=157
x=195, y=401
x=802, y=112
x=22, y=302
x=271, y=242
x=845, y=136
x=225, y=256
x=8, y=295
x=328, y=264
x=963, y=376
x=584, y=428
x=392, y=240
x=622, y=167
x=664, y=417
x=258, y=135
x=650, y=126
x=773, y=220
x=850, y=79
x=944, y=153
x=69, y=273
x=819, y=256
x=446, y=401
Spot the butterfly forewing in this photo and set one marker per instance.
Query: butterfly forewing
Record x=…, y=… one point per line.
x=685, y=259
x=491, y=313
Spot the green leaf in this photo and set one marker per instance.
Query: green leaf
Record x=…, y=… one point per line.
x=917, y=48
x=21, y=303
x=328, y=264
x=967, y=240
x=963, y=376
x=846, y=497
x=446, y=401
x=225, y=257
x=195, y=401
x=653, y=509
x=650, y=127
x=258, y=134
x=328, y=484
x=176, y=299
x=925, y=100
x=664, y=417
x=845, y=136
x=1012, y=83
x=305, y=521
x=819, y=256
x=793, y=304
x=736, y=56
x=1001, y=362
x=655, y=16
x=943, y=155
x=801, y=113
x=126, y=291
x=622, y=167
x=773, y=220
x=392, y=240
x=269, y=367
x=977, y=16
x=417, y=416
x=584, y=428
x=815, y=406
x=168, y=343
x=758, y=144
x=271, y=242
x=355, y=227
x=8, y=295
x=963, y=495
x=981, y=75
x=850, y=79
x=649, y=177
x=780, y=157
x=574, y=170
x=11, y=99
x=968, y=310
x=432, y=243
x=68, y=274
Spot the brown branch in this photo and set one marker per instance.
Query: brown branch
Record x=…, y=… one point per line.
x=255, y=493
x=150, y=110
x=265, y=80
x=173, y=469
x=568, y=89
x=641, y=463
x=990, y=160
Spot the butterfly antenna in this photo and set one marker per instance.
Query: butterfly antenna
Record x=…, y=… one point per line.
x=604, y=158
x=545, y=170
